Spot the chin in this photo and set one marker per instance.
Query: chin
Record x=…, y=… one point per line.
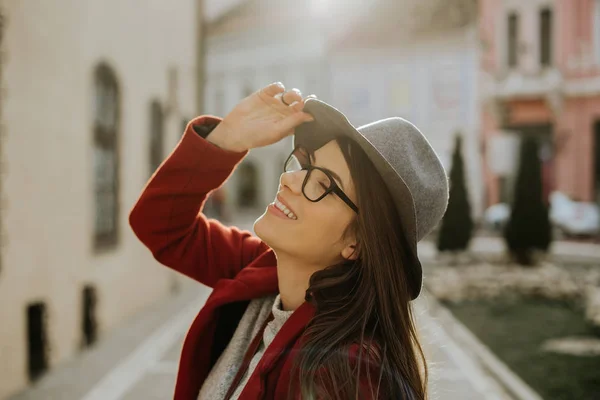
x=262, y=228
x=268, y=228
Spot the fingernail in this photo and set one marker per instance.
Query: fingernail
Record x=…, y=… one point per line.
x=280, y=84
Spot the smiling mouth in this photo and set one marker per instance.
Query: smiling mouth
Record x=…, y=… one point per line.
x=284, y=210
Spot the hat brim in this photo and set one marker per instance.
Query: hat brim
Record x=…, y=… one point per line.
x=330, y=123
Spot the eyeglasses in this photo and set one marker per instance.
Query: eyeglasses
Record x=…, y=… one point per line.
x=318, y=182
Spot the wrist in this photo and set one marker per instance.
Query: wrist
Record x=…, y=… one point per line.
x=219, y=137
x=203, y=130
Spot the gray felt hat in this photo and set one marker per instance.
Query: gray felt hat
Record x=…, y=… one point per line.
x=409, y=166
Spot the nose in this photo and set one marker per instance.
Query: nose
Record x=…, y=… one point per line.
x=293, y=181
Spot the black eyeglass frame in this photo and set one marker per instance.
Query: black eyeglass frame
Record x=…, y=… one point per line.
x=333, y=188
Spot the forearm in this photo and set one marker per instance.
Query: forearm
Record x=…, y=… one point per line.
x=172, y=199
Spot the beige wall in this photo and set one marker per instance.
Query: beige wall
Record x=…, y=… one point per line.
x=51, y=50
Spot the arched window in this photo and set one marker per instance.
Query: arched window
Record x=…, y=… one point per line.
x=157, y=133
x=247, y=194
x=106, y=157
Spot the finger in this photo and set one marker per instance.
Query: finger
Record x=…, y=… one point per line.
x=310, y=96
x=273, y=89
x=292, y=121
x=284, y=101
x=291, y=96
x=297, y=106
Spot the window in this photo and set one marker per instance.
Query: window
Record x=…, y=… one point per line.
x=2, y=133
x=37, y=341
x=597, y=31
x=157, y=133
x=106, y=159
x=513, y=39
x=596, y=192
x=546, y=37
x=89, y=324
x=248, y=185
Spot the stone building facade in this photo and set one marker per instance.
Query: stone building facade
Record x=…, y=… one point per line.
x=94, y=95
x=370, y=59
x=541, y=77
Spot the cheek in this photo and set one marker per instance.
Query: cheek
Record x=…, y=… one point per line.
x=322, y=229
x=315, y=237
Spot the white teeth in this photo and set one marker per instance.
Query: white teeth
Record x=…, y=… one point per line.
x=284, y=209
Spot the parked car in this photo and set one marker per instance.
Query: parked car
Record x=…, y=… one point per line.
x=496, y=216
x=574, y=218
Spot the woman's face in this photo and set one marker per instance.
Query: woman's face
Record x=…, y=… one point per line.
x=315, y=236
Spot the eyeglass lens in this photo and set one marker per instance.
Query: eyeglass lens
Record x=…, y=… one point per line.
x=317, y=182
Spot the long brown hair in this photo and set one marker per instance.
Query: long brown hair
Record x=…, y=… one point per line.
x=365, y=304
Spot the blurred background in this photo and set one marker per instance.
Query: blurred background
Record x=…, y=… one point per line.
x=94, y=95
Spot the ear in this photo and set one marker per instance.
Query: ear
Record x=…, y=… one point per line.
x=350, y=252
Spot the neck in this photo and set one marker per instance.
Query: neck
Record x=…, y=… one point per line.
x=293, y=278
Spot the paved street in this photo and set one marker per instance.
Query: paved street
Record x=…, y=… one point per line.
x=139, y=360
x=560, y=249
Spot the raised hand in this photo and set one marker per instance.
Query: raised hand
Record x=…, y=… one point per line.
x=261, y=119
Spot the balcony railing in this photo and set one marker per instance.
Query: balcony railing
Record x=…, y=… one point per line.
x=517, y=84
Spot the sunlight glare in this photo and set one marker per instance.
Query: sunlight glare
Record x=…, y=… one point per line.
x=320, y=7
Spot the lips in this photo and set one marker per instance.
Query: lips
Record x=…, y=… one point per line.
x=285, y=203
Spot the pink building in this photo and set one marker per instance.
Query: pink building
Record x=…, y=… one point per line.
x=540, y=68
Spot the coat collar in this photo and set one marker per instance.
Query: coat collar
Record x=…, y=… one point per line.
x=260, y=281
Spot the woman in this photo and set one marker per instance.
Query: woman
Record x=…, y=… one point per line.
x=318, y=305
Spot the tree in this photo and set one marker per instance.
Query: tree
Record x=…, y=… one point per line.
x=528, y=228
x=457, y=224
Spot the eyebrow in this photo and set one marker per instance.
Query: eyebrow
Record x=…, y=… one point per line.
x=336, y=176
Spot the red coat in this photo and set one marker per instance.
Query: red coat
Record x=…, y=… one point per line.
x=237, y=265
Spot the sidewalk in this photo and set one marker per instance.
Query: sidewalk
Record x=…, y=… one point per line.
x=560, y=250
x=138, y=361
